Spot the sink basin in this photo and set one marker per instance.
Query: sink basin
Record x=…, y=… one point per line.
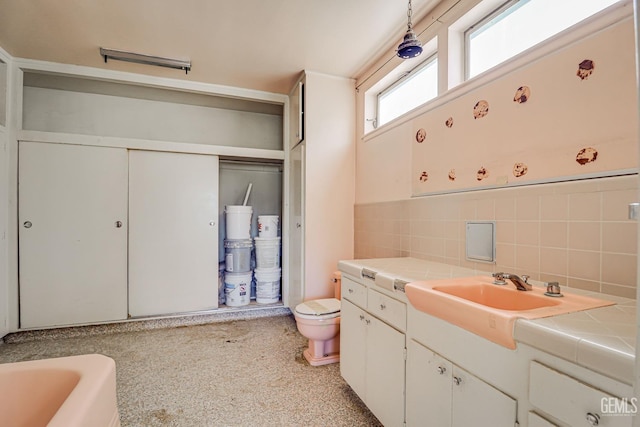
x=499, y=297
x=488, y=310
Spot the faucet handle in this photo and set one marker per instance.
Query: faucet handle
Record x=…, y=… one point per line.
x=525, y=277
x=499, y=279
x=553, y=289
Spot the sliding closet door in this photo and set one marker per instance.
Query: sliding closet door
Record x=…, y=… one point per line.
x=173, y=232
x=72, y=234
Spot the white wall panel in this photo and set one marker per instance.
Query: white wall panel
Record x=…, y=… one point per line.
x=66, y=111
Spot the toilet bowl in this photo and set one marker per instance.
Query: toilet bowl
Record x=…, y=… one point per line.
x=319, y=321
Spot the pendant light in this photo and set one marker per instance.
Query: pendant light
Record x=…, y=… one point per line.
x=410, y=46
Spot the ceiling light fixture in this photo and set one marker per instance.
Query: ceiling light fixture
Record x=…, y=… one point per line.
x=140, y=58
x=410, y=46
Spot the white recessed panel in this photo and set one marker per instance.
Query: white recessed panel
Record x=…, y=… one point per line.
x=481, y=241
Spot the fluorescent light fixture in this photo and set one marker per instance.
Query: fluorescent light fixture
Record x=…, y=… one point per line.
x=140, y=58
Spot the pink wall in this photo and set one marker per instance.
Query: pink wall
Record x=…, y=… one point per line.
x=575, y=232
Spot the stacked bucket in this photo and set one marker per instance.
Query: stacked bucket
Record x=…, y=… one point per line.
x=267, y=271
x=238, y=247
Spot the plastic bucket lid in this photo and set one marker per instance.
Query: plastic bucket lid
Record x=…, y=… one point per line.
x=238, y=243
x=266, y=217
x=238, y=209
x=267, y=274
x=264, y=241
x=237, y=278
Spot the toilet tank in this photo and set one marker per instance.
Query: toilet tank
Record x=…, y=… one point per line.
x=336, y=278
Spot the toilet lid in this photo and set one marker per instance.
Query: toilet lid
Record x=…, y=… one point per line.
x=319, y=307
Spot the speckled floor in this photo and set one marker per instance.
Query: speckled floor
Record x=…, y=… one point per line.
x=236, y=373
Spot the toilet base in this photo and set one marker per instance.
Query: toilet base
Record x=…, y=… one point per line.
x=319, y=361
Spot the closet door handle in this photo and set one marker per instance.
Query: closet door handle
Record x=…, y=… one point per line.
x=27, y=224
x=118, y=224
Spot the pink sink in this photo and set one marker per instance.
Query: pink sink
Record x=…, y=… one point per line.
x=488, y=310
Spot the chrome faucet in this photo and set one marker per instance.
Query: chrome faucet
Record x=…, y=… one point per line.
x=521, y=283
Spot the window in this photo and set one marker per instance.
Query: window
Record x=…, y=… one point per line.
x=520, y=24
x=414, y=89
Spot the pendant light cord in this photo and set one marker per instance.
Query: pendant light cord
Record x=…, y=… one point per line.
x=409, y=13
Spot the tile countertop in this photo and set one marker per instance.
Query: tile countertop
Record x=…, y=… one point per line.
x=601, y=339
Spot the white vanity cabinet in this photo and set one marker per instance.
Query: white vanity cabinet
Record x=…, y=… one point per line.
x=576, y=403
x=440, y=393
x=372, y=350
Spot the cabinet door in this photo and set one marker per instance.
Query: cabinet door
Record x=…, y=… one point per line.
x=385, y=372
x=296, y=115
x=173, y=235
x=428, y=387
x=549, y=389
x=73, y=234
x=475, y=400
x=353, y=347
x=293, y=295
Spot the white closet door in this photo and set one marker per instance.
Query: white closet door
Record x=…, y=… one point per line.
x=293, y=288
x=173, y=232
x=73, y=234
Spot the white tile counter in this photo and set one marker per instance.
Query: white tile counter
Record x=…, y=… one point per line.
x=601, y=339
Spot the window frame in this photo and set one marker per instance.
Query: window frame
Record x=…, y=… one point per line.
x=509, y=6
x=403, y=79
x=479, y=26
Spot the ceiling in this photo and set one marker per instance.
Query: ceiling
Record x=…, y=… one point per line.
x=255, y=44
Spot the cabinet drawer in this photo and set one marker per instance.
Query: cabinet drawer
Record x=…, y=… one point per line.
x=572, y=401
x=354, y=292
x=387, y=309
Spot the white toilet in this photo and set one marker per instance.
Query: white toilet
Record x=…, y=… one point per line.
x=319, y=321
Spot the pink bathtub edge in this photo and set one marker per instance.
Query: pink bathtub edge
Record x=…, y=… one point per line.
x=93, y=401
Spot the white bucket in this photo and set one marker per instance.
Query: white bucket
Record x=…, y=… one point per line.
x=237, y=255
x=237, y=288
x=267, y=252
x=267, y=285
x=268, y=225
x=238, y=220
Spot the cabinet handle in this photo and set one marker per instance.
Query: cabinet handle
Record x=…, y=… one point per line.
x=457, y=380
x=350, y=290
x=368, y=321
x=118, y=224
x=27, y=224
x=593, y=419
x=442, y=370
x=361, y=317
x=298, y=225
x=382, y=306
x=212, y=223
